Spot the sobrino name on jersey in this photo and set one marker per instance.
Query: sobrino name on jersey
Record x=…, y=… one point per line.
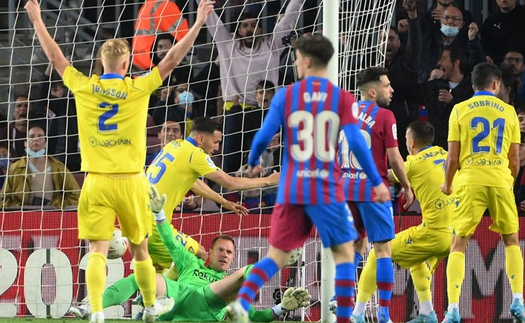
x=486, y=103
x=109, y=92
x=204, y=276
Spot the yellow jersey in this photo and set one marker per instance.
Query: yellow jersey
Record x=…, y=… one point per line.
x=175, y=170
x=426, y=172
x=112, y=113
x=485, y=126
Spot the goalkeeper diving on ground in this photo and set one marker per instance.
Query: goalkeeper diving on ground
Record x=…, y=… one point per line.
x=202, y=297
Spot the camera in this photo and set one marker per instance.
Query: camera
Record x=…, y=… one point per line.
x=293, y=35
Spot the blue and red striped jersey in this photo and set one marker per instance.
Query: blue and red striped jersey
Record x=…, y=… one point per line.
x=378, y=127
x=311, y=113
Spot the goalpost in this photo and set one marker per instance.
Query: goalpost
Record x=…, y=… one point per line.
x=42, y=262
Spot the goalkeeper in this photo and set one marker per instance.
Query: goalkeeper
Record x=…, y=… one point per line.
x=201, y=293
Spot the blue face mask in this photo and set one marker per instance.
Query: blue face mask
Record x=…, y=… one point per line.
x=39, y=153
x=186, y=98
x=449, y=31
x=4, y=162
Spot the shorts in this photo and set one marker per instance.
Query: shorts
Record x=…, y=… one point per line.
x=158, y=252
x=475, y=199
x=106, y=196
x=291, y=224
x=377, y=219
x=416, y=245
x=193, y=304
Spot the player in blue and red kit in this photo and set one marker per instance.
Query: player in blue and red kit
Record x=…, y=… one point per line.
x=310, y=192
x=378, y=127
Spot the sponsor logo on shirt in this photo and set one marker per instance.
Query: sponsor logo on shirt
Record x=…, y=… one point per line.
x=204, y=276
x=94, y=142
x=314, y=173
x=210, y=162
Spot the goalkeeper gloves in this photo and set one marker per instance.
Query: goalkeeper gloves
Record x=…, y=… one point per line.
x=292, y=300
x=157, y=202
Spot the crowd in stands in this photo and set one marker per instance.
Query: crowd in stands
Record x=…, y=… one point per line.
x=429, y=56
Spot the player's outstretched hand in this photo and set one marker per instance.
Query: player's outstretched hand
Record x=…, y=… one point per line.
x=33, y=10
x=446, y=189
x=382, y=193
x=295, y=298
x=409, y=197
x=156, y=201
x=274, y=178
x=203, y=11
x=235, y=208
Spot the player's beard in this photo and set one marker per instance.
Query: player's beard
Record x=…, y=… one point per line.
x=383, y=102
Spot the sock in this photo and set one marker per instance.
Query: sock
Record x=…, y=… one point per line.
x=344, y=291
x=357, y=259
x=367, y=281
x=452, y=306
x=96, y=280
x=359, y=308
x=422, y=279
x=260, y=273
x=385, y=281
x=514, y=268
x=455, y=275
x=120, y=291
x=146, y=280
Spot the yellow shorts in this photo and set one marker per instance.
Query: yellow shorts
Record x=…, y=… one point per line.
x=474, y=200
x=160, y=255
x=416, y=245
x=104, y=197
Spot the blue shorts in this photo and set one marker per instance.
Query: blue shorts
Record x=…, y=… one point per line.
x=291, y=224
x=377, y=218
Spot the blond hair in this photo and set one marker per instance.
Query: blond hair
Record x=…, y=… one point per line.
x=114, y=51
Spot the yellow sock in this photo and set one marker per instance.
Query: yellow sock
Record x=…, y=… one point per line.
x=422, y=278
x=145, y=277
x=96, y=280
x=455, y=275
x=367, y=280
x=514, y=268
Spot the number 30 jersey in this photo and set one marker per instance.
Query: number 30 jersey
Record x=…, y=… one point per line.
x=378, y=127
x=485, y=126
x=112, y=113
x=311, y=113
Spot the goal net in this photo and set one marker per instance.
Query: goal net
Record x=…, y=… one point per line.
x=229, y=75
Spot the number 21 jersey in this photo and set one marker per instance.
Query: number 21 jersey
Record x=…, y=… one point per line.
x=485, y=126
x=112, y=114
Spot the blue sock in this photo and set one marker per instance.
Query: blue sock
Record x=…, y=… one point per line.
x=261, y=272
x=385, y=281
x=344, y=291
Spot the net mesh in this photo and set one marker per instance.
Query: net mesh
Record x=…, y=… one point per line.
x=223, y=72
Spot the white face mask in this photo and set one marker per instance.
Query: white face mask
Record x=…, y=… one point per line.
x=449, y=31
x=39, y=153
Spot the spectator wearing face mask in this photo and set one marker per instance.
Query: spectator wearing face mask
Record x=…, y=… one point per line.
x=454, y=32
x=175, y=103
x=38, y=179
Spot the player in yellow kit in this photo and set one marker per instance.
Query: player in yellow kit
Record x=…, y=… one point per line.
x=483, y=141
x=112, y=112
x=177, y=169
x=427, y=242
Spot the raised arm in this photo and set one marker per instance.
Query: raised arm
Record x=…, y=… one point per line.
x=216, y=28
x=287, y=23
x=177, y=53
x=51, y=48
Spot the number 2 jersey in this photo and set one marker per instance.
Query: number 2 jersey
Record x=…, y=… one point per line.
x=378, y=127
x=485, y=127
x=311, y=113
x=112, y=114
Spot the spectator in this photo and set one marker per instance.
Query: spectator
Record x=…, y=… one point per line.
x=244, y=59
x=440, y=95
x=503, y=31
x=15, y=132
x=508, y=91
x=513, y=61
x=435, y=73
x=175, y=103
x=403, y=63
x=38, y=179
x=163, y=43
x=521, y=118
x=170, y=130
x=155, y=16
x=431, y=20
x=454, y=32
x=4, y=160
